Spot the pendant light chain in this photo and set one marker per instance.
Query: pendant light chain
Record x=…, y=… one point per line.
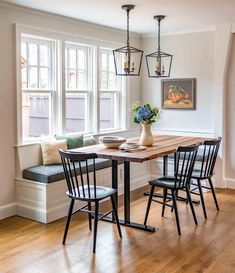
x=159, y=28
x=128, y=25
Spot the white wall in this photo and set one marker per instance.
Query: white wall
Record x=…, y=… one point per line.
x=9, y=15
x=193, y=57
x=230, y=118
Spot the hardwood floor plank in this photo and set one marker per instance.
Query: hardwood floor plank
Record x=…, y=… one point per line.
x=27, y=246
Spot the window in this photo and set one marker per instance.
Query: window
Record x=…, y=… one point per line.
x=77, y=87
x=66, y=87
x=109, y=92
x=38, y=78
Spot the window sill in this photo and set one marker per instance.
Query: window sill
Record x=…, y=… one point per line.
x=29, y=143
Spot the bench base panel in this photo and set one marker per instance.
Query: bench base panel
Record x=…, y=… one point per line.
x=47, y=202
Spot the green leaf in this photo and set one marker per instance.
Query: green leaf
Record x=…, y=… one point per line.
x=136, y=120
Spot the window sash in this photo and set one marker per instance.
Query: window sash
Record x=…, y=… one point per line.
x=87, y=111
x=51, y=61
x=116, y=92
x=50, y=116
x=67, y=68
x=116, y=111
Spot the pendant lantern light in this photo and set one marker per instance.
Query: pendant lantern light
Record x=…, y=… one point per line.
x=127, y=59
x=159, y=63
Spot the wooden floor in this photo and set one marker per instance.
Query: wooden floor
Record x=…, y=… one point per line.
x=29, y=247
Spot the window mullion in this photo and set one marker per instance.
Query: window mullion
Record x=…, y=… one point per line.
x=27, y=53
x=38, y=66
x=96, y=96
x=63, y=74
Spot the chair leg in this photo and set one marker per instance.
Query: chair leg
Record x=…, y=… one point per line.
x=202, y=197
x=164, y=201
x=172, y=208
x=149, y=204
x=191, y=205
x=89, y=216
x=116, y=215
x=96, y=217
x=189, y=191
x=68, y=220
x=213, y=193
x=176, y=211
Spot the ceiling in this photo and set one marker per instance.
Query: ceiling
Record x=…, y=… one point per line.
x=182, y=15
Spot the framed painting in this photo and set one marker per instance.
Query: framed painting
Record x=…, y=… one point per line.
x=179, y=94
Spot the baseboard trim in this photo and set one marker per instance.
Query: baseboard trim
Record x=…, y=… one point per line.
x=229, y=183
x=7, y=210
x=44, y=216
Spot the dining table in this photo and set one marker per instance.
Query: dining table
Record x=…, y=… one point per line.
x=163, y=146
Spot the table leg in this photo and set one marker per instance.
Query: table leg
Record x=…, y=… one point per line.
x=165, y=165
x=127, y=199
x=115, y=182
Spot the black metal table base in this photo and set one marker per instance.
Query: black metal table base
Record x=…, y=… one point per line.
x=127, y=199
x=131, y=224
x=179, y=198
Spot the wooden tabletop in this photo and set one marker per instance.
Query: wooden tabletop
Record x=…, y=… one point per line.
x=163, y=145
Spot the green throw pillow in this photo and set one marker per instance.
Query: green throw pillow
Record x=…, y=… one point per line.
x=73, y=142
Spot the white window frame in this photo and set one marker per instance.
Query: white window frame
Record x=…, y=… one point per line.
x=118, y=123
x=87, y=91
x=51, y=90
x=59, y=84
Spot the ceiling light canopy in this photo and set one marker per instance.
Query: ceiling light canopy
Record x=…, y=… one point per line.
x=159, y=63
x=127, y=59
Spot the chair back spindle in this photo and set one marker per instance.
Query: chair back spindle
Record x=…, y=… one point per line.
x=185, y=158
x=77, y=173
x=210, y=153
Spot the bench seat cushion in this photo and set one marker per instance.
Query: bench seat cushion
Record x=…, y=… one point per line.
x=53, y=173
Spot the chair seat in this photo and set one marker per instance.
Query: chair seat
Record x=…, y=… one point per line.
x=101, y=193
x=164, y=182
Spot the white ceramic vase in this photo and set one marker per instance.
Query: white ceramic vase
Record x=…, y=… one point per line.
x=146, y=137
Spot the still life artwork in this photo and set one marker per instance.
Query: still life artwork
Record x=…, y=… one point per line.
x=179, y=94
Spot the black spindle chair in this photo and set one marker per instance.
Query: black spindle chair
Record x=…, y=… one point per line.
x=180, y=181
x=206, y=171
x=82, y=187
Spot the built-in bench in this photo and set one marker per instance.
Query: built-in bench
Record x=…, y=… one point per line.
x=40, y=190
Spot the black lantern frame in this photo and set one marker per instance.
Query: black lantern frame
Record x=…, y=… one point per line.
x=159, y=63
x=127, y=59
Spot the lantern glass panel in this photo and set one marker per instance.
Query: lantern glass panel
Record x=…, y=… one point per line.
x=159, y=65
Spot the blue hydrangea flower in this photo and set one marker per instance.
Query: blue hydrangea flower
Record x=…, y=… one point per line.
x=143, y=113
